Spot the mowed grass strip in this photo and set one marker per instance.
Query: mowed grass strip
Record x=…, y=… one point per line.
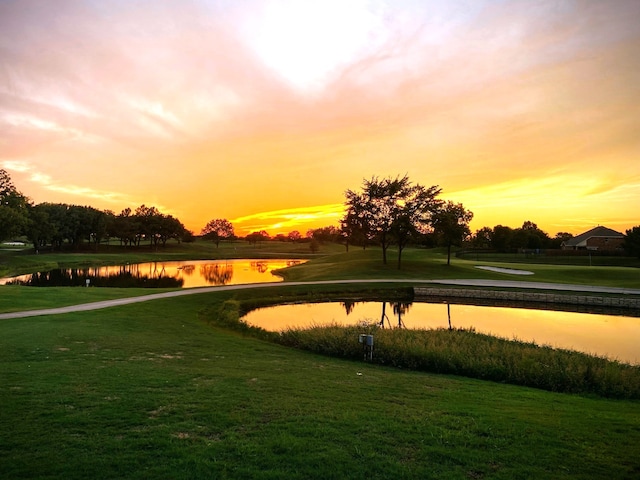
x=153, y=391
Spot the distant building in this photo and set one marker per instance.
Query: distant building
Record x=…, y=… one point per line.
x=598, y=238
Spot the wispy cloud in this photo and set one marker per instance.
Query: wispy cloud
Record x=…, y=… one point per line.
x=280, y=221
x=72, y=192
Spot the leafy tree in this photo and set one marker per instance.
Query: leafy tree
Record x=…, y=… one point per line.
x=100, y=225
x=632, y=241
x=388, y=210
x=294, y=236
x=14, y=216
x=414, y=213
x=187, y=236
x=530, y=236
x=325, y=234
x=39, y=228
x=355, y=225
x=148, y=222
x=482, y=238
x=169, y=227
x=559, y=239
x=218, y=229
x=501, y=238
x=125, y=227
x=451, y=223
x=255, y=237
x=56, y=217
x=13, y=222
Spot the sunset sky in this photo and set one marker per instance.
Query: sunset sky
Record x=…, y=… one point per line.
x=265, y=112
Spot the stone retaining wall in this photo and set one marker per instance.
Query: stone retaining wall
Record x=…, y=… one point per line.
x=428, y=293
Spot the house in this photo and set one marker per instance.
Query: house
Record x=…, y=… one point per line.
x=598, y=238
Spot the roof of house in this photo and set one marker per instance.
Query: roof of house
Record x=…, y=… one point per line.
x=594, y=232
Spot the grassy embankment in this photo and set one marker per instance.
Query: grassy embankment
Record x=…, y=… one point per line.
x=151, y=390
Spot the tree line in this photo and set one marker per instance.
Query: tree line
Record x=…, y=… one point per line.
x=383, y=211
x=56, y=224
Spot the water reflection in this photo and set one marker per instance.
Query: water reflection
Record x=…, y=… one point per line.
x=399, y=309
x=217, y=274
x=175, y=274
x=611, y=335
x=88, y=277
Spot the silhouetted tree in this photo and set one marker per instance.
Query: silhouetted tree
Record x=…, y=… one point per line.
x=501, y=238
x=218, y=229
x=388, y=210
x=39, y=228
x=482, y=238
x=559, y=239
x=451, y=223
x=414, y=213
x=325, y=234
x=530, y=236
x=169, y=227
x=632, y=241
x=14, y=217
x=255, y=237
x=294, y=236
x=125, y=227
x=355, y=225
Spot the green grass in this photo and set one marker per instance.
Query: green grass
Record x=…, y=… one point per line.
x=153, y=391
x=157, y=390
x=577, y=260
x=431, y=264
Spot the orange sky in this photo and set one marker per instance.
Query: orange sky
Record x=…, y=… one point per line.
x=265, y=112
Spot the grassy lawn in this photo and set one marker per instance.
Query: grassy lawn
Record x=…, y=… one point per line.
x=153, y=391
x=431, y=264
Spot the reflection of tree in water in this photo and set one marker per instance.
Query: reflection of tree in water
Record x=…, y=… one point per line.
x=217, y=274
x=399, y=309
x=348, y=306
x=124, y=278
x=187, y=270
x=259, y=266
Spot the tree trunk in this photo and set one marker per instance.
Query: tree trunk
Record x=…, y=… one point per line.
x=449, y=253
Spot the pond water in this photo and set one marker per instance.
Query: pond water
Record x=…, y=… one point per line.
x=174, y=274
x=612, y=336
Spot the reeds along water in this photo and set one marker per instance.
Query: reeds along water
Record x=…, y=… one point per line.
x=465, y=352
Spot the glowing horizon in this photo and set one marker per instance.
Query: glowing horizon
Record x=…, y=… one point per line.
x=266, y=111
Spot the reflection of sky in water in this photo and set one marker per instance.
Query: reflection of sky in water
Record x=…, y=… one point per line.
x=613, y=336
x=193, y=273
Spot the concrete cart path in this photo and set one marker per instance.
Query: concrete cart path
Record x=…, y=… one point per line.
x=193, y=291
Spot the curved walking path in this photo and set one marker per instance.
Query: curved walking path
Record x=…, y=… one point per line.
x=192, y=291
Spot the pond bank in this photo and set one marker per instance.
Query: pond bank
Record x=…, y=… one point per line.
x=428, y=293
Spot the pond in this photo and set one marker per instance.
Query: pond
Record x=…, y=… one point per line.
x=172, y=274
x=612, y=336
